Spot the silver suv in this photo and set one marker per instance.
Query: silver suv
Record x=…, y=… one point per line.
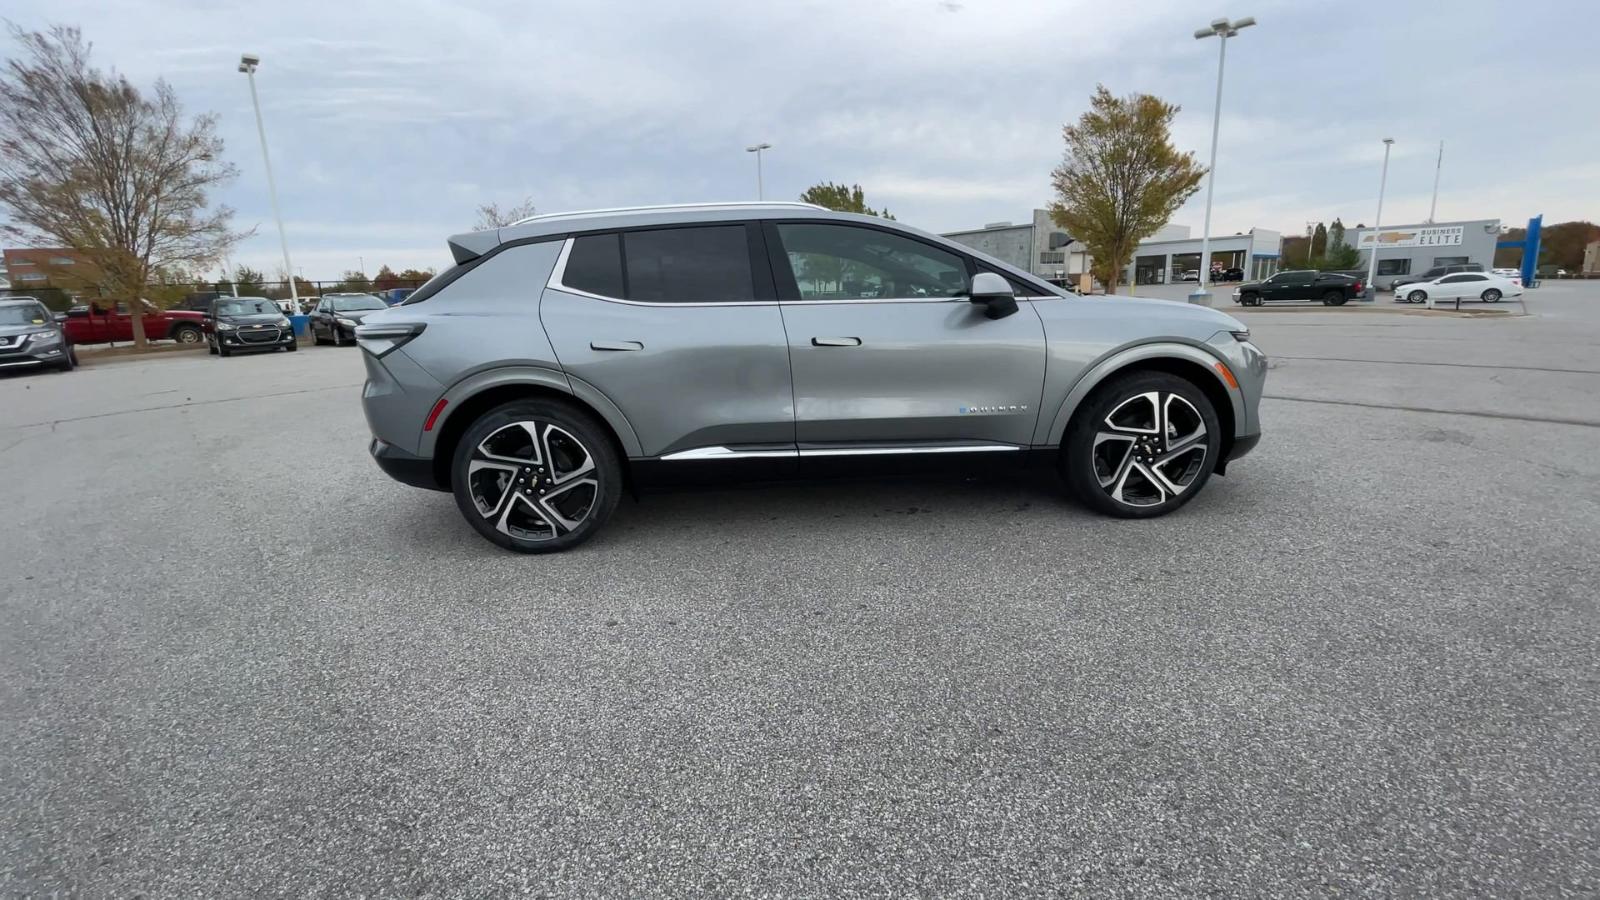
x=569, y=357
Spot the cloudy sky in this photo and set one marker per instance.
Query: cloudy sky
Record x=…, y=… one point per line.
x=390, y=122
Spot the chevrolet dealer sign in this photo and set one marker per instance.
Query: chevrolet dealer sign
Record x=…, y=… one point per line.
x=1440, y=236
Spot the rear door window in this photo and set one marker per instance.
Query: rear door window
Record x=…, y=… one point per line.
x=708, y=264
x=595, y=265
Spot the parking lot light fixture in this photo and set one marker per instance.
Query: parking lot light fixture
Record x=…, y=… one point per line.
x=247, y=64
x=1221, y=29
x=1372, y=255
x=756, y=149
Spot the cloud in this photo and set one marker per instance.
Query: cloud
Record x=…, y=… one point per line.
x=391, y=122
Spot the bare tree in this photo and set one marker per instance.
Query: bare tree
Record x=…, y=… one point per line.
x=89, y=162
x=491, y=216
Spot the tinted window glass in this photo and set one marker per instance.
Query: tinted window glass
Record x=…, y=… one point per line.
x=1296, y=277
x=689, y=265
x=595, y=265
x=842, y=262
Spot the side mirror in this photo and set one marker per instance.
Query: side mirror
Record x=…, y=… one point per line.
x=994, y=293
x=59, y=317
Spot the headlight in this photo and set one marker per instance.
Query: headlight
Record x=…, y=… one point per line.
x=1241, y=336
x=283, y=322
x=45, y=338
x=226, y=326
x=351, y=323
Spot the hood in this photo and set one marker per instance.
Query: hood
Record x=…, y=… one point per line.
x=358, y=314
x=1143, y=316
x=7, y=330
x=253, y=319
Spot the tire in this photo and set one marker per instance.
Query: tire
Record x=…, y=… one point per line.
x=188, y=334
x=1333, y=298
x=315, y=338
x=338, y=337
x=1417, y=297
x=577, y=454
x=1111, y=418
x=1491, y=296
x=68, y=361
x=224, y=352
x=1250, y=299
x=292, y=347
x=211, y=347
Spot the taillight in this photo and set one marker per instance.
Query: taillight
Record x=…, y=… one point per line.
x=434, y=415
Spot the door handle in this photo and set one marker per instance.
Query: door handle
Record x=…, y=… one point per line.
x=836, y=342
x=615, y=345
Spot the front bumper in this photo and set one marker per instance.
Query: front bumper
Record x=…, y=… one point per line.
x=30, y=357
x=403, y=467
x=237, y=340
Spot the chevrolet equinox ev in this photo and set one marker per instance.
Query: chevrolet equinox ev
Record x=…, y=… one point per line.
x=567, y=358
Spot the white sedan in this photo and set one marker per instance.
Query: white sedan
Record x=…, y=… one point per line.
x=1464, y=286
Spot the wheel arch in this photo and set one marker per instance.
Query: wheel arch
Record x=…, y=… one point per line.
x=1187, y=362
x=476, y=395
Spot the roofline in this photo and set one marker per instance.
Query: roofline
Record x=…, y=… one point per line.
x=736, y=204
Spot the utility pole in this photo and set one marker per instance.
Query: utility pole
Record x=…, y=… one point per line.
x=1372, y=255
x=756, y=149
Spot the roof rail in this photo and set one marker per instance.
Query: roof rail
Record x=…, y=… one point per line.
x=629, y=209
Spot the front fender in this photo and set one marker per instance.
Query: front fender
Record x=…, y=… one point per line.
x=1115, y=362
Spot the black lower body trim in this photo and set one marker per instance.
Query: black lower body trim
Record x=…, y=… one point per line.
x=403, y=467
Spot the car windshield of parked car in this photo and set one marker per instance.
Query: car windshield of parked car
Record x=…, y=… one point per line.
x=23, y=314
x=357, y=303
x=247, y=306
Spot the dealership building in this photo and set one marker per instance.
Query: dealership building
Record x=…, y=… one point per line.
x=1040, y=247
x=1414, y=249
x=1171, y=251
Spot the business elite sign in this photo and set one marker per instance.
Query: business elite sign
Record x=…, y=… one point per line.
x=1431, y=236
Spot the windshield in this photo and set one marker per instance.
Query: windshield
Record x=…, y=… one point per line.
x=247, y=306
x=357, y=302
x=24, y=314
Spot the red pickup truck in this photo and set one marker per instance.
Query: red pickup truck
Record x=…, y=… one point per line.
x=96, y=324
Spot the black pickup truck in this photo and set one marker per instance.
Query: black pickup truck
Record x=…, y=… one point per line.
x=1331, y=288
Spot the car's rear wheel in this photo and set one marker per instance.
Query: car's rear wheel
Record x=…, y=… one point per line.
x=188, y=334
x=1141, y=446
x=536, y=476
x=1491, y=296
x=1417, y=297
x=1333, y=298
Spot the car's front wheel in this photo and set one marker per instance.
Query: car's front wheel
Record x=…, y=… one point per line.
x=1417, y=297
x=536, y=476
x=1251, y=299
x=1141, y=445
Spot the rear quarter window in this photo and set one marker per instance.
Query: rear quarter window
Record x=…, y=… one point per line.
x=595, y=265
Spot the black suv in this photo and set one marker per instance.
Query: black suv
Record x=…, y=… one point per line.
x=247, y=323
x=1431, y=274
x=1331, y=288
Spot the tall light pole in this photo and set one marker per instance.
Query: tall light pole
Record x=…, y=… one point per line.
x=1437, y=168
x=247, y=65
x=1372, y=255
x=756, y=149
x=1220, y=28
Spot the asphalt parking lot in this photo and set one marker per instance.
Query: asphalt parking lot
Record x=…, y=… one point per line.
x=235, y=659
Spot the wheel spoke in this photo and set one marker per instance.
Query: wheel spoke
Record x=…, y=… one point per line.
x=1122, y=463
x=1186, y=443
x=1152, y=401
x=1161, y=481
x=478, y=465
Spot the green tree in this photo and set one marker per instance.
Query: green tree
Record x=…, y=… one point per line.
x=1341, y=256
x=1120, y=178
x=1319, y=241
x=386, y=279
x=90, y=162
x=1335, y=236
x=352, y=282
x=250, y=281
x=415, y=277
x=840, y=198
